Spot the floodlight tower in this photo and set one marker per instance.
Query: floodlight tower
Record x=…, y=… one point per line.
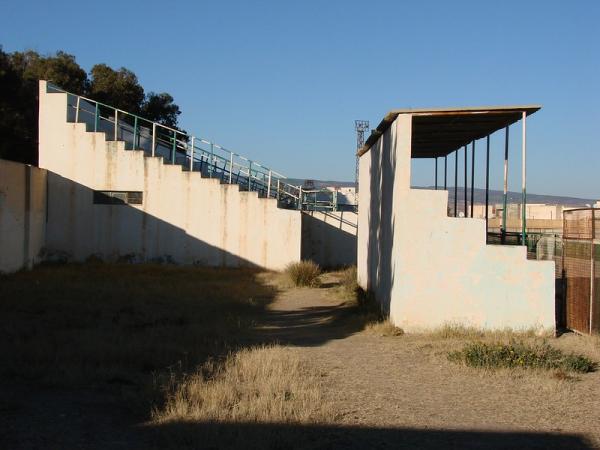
x=361, y=126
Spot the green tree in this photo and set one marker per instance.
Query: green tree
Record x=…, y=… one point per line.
x=160, y=108
x=19, y=75
x=118, y=88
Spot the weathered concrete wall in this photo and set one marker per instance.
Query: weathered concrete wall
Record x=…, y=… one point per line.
x=329, y=238
x=428, y=269
x=22, y=215
x=184, y=217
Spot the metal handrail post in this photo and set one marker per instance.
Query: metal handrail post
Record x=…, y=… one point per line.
x=135, y=135
x=153, y=138
x=192, y=156
x=277, y=193
x=77, y=109
x=300, y=198
x=269, y=185
x=116, y=124
x=249, y=175
x=230, y=166
x=174, y=149
x=96, y=118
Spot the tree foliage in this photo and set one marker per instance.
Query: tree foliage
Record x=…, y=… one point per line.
x=19, y=75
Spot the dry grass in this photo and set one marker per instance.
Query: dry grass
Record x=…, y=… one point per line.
x=122, y=324
x=264, y=384
x=462, y=332
x=384, y=328
x=302, y=274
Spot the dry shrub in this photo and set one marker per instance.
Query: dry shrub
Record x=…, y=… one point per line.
x=303, y=273
x=263, y=384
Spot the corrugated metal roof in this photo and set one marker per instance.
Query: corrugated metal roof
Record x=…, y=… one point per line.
x=440, y=131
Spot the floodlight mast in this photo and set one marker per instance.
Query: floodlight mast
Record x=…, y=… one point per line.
x=361, y=126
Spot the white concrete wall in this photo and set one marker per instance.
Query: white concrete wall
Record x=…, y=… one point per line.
x=22, y=215
x=329, y=238
x=428, y=269
x=184, y=217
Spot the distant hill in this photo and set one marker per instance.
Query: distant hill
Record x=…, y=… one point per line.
x=478, y=194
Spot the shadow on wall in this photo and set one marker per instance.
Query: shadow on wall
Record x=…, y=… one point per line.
x=78, y=229
x=381, y=218
x=328, y=243
x=256, y=435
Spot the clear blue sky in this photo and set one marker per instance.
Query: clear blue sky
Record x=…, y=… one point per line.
x=282, y=82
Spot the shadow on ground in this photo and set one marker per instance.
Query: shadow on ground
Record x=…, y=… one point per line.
x=278, y=436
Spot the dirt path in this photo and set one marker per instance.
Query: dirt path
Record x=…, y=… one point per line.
x=407, y=382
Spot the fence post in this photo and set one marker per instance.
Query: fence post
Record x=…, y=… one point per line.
x=77, y=109
x=192, y=156
x=230, y=166
x=116, y=124
x=269, y=185
x=153, y=138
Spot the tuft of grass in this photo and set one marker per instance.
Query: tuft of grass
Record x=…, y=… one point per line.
x=303, y=273
x=519, y=354
x=349, y=281
x=384, y=328
x=263, y=384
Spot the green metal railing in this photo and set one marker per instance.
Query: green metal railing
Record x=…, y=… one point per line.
x=193, y=153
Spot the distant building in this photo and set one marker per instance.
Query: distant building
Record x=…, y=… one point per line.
x=346, y=195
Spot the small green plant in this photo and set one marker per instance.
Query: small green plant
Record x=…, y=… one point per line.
x=303, y=273
x=519, y=354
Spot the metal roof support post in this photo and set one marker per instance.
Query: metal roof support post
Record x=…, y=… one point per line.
x=487, y=184
x=524, y=181
x=504, y=200
x=116, y=124
x=466, y=182
x=445, y=172
x=436, y=177
x=472, y=177
x=456, y=183
x=592, y=270
x=230, y=166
